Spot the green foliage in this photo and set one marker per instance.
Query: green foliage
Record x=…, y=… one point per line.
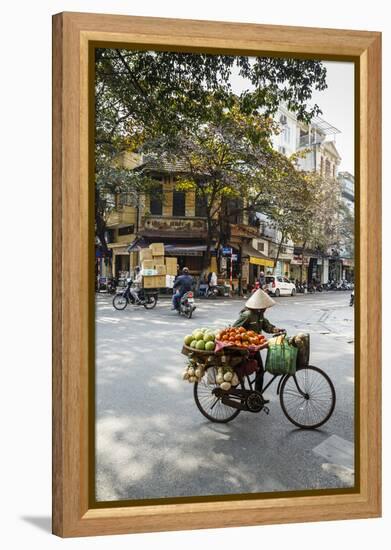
x=182, y=105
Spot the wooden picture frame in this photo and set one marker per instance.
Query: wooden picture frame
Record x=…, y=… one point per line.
x=72, y=310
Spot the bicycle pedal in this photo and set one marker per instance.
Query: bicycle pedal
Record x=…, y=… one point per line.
x=266, y=410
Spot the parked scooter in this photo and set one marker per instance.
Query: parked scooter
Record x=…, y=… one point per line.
x=186, y=304
x=255, y=287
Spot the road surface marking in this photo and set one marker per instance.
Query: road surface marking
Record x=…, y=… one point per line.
x=336, y=450
x=346, y=475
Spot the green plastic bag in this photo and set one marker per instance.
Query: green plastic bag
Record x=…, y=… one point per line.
x=281, y=356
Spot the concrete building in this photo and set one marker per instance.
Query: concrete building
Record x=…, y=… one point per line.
x=317, y=142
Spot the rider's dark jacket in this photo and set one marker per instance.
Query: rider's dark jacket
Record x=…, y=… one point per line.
x=252, y=319
x=183, y=284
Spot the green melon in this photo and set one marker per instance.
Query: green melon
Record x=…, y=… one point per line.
x=210, y=346
x=200, y=345
x=193, y=344
x=209, y=337
x=188, y=339
x=199, y=336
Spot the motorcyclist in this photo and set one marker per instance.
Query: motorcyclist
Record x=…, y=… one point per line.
x=262, y=280
x=135, y=288
x=252, y=318
x=182, y=284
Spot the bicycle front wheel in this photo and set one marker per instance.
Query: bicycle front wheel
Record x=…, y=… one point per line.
x=308, y=398
x=120, y=302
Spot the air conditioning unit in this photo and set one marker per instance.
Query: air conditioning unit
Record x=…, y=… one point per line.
x=283, y=119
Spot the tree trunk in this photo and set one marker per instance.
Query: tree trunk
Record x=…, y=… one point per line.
x=302, y=262
x=207, y=255
x=278, y=251
x=100, y=232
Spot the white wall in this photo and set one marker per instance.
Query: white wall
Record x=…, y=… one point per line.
x=25, y=363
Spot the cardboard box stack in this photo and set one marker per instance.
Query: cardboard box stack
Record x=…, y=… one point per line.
x=171, y=266
x=158, y=271
x=154, y=267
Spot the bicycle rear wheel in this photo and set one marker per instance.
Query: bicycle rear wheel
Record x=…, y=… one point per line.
x=207, y=402
x=308, y=398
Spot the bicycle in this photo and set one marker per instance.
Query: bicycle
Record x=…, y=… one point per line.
x=307, y=397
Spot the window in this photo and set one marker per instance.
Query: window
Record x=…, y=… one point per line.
x=286, y=280
x=286, y=134
x=156, y=202
x=200, y=206
x=235, y=211
x=328, y=167
x=279, y=279
x=179, y=203
x=261, y=247
x=128, y=230
x=126, y=199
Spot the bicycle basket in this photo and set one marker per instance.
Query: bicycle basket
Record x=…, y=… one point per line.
x=303, y=346
x=281, y=356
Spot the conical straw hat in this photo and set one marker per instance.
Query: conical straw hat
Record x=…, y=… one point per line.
x=259, y=300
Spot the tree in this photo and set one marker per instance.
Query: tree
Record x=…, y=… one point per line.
x=321, y=221
x=141, y=95
x=231, y=157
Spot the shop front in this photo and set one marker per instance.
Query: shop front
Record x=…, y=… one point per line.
x=348, y=269
x=256, y=262
x=122, y=262
x=189, y=253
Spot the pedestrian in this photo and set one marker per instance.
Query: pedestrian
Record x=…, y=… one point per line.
x=262, y=280
x=213, y=280
x=252, y=318
x=182, y=284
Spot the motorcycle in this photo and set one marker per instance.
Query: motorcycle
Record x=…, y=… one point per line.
x=342, y=285
x=212, y=292
x=256, y=286
x=186, y=304
x=107, y=284
x=147, y=298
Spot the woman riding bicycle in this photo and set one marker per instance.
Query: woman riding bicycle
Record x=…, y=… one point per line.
x=252, y=318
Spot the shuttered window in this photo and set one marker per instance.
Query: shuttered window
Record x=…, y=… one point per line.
x=179, y=203
x=156, y=203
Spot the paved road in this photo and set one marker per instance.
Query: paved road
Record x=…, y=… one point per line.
x=153, y=442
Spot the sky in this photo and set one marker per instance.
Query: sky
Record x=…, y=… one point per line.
x=337, y=105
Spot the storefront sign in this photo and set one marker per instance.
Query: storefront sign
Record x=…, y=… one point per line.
x=227, y=251
x=261, y=261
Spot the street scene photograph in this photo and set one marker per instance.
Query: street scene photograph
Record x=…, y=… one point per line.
x=224, y=275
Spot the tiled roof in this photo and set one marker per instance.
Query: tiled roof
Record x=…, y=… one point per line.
x=163, y=164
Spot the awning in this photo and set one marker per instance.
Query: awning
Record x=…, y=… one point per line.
x=137, y=245
x=256, y=257
x=185, y=250
x=173, y=248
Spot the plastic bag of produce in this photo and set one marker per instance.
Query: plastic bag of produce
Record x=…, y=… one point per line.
x=281, y=356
